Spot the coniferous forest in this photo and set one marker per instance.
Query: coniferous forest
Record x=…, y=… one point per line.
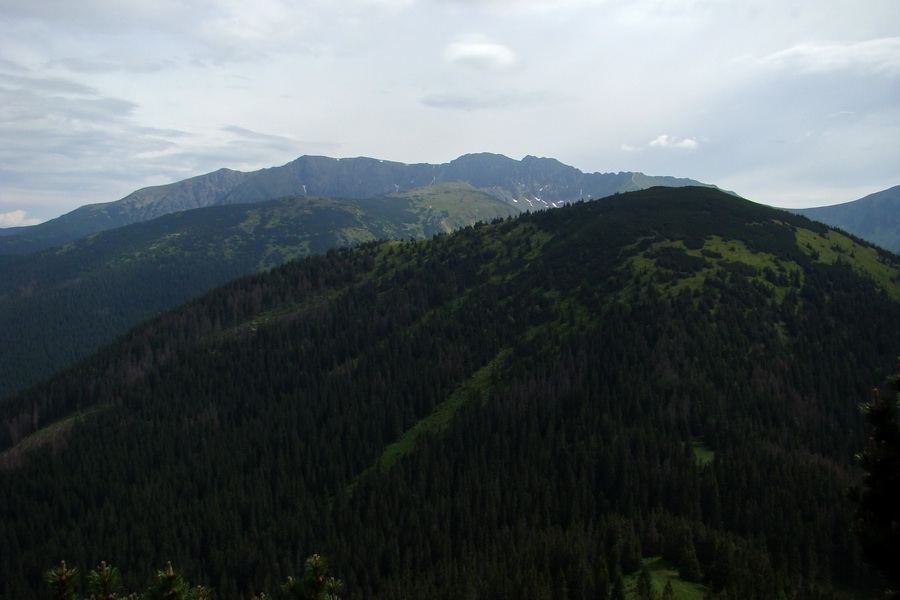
x=543, y=406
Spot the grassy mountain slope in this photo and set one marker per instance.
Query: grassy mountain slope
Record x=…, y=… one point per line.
x=875, y=218
x=59, y=305
x=529, y=184
x=534, y=407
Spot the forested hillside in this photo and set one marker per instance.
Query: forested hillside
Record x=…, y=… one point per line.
x=62, y=304
x=535, y=407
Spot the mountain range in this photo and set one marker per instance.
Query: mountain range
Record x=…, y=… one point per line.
x=69, y=285
x=530, y=184
x=660, y=386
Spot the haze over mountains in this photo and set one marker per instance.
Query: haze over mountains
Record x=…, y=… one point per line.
x=537, y=407
x=530, y=184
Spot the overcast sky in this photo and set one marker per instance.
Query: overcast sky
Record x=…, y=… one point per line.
x=786, y=102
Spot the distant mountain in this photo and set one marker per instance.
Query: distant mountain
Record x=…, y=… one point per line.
x=60, y=304
x=142, y=205
x=660, y=385
x=531, y=183
x=875, y=218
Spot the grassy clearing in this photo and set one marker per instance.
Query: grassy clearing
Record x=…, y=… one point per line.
x=717, y=252
x=662, y=571
x=439, y=419
x=702, y=451
x=54, y=433
x=443, y=413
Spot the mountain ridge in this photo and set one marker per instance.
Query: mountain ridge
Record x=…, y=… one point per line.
x=875, y=217
x=517, y=182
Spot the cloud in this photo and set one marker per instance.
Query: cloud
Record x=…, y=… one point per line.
x=875, y=57
x=480, y=55
x=486, y=100
x=263, y=143
x=45, y=116
x=101, y=97
x=522, y=6
x=166, y=33
x=278, y=140
x=16, y=218
x=80, y=65
x=666, y=141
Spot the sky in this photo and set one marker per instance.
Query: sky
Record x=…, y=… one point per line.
x=790, y=103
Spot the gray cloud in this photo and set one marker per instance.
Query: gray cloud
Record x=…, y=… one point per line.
x=471, y=101
x=875, y=57
x=80, y=65
x=101, y=97
x=524, y=6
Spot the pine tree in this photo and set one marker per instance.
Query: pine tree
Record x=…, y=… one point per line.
x=170, y=585
x=104, y=582
x=878, y=501
x=63, y=582
x=315, y=584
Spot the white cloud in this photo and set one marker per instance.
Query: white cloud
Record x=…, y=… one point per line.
x=16, y=218
x=878, y=57
x=667, y=141
x=480, y=54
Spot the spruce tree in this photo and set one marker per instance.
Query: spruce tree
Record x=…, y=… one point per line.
x=689, y=566
x=878, y=500
x=644, y=589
